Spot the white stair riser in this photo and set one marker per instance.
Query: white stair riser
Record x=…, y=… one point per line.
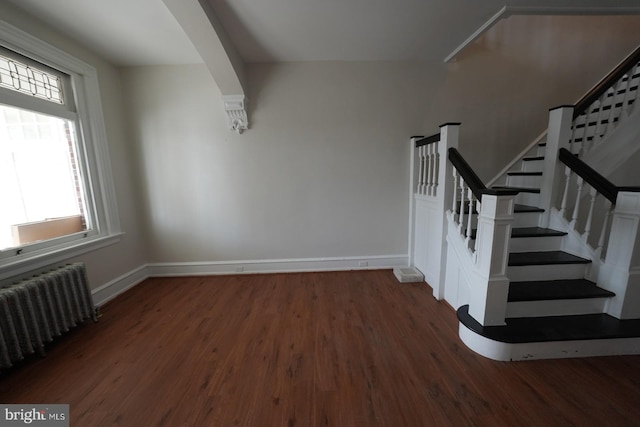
x=526, y=219
x=524, y=181
x=533, y=166
x=540, y=151
x=546, y=272
x=556, y=307
x=530, y=199
x=529, y=244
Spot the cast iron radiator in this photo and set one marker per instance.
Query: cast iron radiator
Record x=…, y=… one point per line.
x=36, y=310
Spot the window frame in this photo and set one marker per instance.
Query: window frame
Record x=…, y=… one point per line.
x=92, y=147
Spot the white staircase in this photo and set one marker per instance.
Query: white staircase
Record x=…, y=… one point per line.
x=536, y=262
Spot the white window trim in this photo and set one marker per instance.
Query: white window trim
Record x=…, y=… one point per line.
x=89, y=107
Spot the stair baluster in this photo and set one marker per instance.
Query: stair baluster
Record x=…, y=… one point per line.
x=462, y=194
x=604, y=230
x=469, y=217
x=593, y=194
x=421, y=172
x=431, y=149
x=565, y=193
x=576, y=208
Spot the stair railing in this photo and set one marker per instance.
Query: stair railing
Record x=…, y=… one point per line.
x=479, y=266
x=605, y=106
x=597, y=113
x=608, y=223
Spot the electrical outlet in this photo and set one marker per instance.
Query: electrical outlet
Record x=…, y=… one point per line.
x=239, y=269
x=363, y=264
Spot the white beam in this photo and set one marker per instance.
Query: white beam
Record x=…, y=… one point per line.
x=199, y=22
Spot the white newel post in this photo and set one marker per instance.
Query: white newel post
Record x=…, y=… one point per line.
x=413, y=181
x=558, y=136
x=449, y=136
x=621, y=270
x=488, y=296
x=431, y=195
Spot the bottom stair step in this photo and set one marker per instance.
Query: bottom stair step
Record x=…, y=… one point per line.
x=556, y=290
x=554, y=328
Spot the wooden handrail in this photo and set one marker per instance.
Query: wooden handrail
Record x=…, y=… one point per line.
x=428, y=140
x=472, y=180
x=601, y=184
x=604, y=84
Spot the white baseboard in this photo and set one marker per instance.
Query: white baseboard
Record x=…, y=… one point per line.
x=276, y=265
x=115, y=287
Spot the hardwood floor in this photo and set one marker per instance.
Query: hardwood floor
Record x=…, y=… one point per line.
x=308, y=349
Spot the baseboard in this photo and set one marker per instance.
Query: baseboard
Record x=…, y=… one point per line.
x=120, y=284
x=276, y=265
x=115, y=287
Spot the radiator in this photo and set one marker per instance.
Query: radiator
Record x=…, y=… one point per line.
x=34, y=311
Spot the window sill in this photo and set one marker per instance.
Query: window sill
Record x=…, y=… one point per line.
x=21, y=264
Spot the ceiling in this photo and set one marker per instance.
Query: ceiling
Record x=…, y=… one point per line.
x=143, y=32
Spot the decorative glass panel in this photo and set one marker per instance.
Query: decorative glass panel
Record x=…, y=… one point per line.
x=29, y=80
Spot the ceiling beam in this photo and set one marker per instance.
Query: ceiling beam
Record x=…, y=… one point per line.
x=199, y=22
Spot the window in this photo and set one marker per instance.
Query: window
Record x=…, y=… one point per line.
x=56, y=193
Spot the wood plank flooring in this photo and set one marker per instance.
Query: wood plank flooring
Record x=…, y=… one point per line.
x=308, y=349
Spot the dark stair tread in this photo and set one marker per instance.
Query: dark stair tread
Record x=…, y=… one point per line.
x=520, y=189
x=532, y=159
x=521, y=232
x=555, y=290
x=520, y=173
x=535, y=232
x=544, y=258
x=554, y=328
x=518, y=208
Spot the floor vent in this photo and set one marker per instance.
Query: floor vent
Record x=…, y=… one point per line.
x=408, y=274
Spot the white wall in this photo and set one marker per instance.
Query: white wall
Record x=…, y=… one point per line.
x=322, y=171
x=106, y=264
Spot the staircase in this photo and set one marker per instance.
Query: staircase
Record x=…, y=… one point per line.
x=533, y=264
x=544, y=279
